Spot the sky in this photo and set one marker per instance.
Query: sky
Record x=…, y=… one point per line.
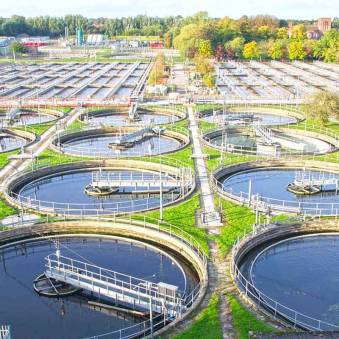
x=284, y=9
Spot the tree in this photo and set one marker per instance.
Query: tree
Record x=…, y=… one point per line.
x=220, y=52
x=251, y=50
x=205, y=48
x=235, y=47
x=202, y=65
x=277, y=50
x=327, y=48
x=322, y=105
x=299, y=32
x=17, y=47
x=208, y=80
x=158, y=70
x=282, y=33
x=296, y=50
x=187, y=39
x=168, y=39
x=263, y=32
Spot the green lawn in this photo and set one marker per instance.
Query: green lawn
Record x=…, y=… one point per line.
x=4, y=157
x=204, y=126
x=214, y=156
x=37, y=129
x=238, y=221
x=244, y=321
x=53, y=158
x=183, y=216
x=206, y=325
x=5, y=211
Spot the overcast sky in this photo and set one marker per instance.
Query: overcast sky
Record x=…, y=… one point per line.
x=294, y=9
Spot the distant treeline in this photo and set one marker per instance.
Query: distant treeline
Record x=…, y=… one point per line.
x=55, y=26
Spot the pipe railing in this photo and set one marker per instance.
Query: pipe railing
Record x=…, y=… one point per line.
x=250, y=291
x=265, y=203
x=145, y=223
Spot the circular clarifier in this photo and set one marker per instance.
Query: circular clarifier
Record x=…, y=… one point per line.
x=300, y=273
x=9, y=142
x=33, y=316
x=248, y=118
x=99, y=145
x=49, y=192
x=271, y=184
x=113, y=118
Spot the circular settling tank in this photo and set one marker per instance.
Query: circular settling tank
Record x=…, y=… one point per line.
x=116, y=118
x=99, y=145
x=247, y=118
x=10, y=142
x=33, y=316
x=271, y=185
x=65, y=192
x=300, y=273
x=248, y=140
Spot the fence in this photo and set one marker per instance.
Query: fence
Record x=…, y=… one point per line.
x=266, y=204
x=185, y=177
x=278, y=310
x=145, y=223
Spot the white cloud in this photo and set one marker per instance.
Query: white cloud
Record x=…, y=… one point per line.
x=307, y=9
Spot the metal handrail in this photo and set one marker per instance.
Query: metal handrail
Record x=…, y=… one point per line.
x=277, y=309
x=79, y=268
x=188, y=301
x=264, y=203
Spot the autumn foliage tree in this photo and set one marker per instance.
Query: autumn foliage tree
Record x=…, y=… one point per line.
x=322, y=105
x=251, y=50
x=158, y=70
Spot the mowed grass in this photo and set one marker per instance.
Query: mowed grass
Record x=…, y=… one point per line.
x=206, y=324
x=4, y=157
x=244, y=321
x=238, y=221
x=182, y=215
x=214, y=158
x=5, y=211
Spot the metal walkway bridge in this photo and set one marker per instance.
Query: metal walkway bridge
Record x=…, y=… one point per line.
x=111, y=179
x=137, y=293
x=12, y=113
x=132, y=112
x=5, y=332
x=135, y=136
x=264, y=133
x=303, y=178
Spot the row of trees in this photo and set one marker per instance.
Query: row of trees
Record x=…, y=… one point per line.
x=157, y=73
x=55, y=26
x=260, y=37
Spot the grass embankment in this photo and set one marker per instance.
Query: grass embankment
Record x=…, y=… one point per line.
x=214, y=158
x=53, y=158
x=206, y=324
x=244, y=321
x=4, y=157
x=183, y=216
x=37, y=129
x=5, y=211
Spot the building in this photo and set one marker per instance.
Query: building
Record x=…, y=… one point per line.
x=324, y=24
x=5, y=45
x=315, y=31
x=96, y=40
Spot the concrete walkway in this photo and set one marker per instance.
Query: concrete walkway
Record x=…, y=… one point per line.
x=210, y=216
x=21, y=161
x=217, y=267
